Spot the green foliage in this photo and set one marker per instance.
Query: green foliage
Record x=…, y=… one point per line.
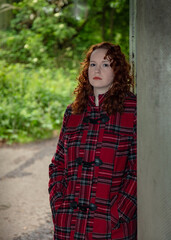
x=41, y=31
x=33, y=101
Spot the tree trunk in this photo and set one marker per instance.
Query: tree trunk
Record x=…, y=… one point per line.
x=5, y=16
x=103, y=22
x=112, y=23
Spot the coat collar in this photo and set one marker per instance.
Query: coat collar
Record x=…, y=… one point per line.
x=91, y=100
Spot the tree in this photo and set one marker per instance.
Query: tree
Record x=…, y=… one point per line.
x=50, y=31
x=5, y=14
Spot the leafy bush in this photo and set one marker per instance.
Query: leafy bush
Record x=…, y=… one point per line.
x=33, y=101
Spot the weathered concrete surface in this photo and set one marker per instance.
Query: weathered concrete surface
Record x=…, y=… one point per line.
x=24, y=201
x=154, y=119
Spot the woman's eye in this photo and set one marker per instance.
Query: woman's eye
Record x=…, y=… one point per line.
x=92, y=64
x=106, y=65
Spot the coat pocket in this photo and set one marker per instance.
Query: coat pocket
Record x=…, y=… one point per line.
x=55, y=202
x=114, y=216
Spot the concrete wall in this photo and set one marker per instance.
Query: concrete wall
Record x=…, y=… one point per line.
x=153, y=39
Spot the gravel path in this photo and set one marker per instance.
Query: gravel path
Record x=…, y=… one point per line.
x=24, y=201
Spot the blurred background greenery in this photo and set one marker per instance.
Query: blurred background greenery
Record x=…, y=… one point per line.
x=42, y=43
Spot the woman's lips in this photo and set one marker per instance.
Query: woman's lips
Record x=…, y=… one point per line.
x=97, y=78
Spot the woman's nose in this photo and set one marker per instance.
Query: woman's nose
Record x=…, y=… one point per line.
x=97, y=69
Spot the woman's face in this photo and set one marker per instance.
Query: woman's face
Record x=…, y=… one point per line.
x=100, y=73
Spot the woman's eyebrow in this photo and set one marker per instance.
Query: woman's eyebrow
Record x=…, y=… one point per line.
x=102, y=61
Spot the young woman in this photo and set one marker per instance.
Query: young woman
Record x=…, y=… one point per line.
x=93, y=172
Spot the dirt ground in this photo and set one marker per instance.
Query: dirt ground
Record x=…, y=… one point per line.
x=24, y=201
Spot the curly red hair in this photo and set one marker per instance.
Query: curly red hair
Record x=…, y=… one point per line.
x=122, y=81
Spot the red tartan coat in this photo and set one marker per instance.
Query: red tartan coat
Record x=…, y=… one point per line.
x=92, y=182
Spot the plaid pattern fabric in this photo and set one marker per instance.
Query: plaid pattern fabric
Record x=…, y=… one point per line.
x=92, y=182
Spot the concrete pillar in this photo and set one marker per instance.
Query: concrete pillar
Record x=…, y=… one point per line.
x=153, y=37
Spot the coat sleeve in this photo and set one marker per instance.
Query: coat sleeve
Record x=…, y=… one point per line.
x=57, y=183
x=126, y=202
